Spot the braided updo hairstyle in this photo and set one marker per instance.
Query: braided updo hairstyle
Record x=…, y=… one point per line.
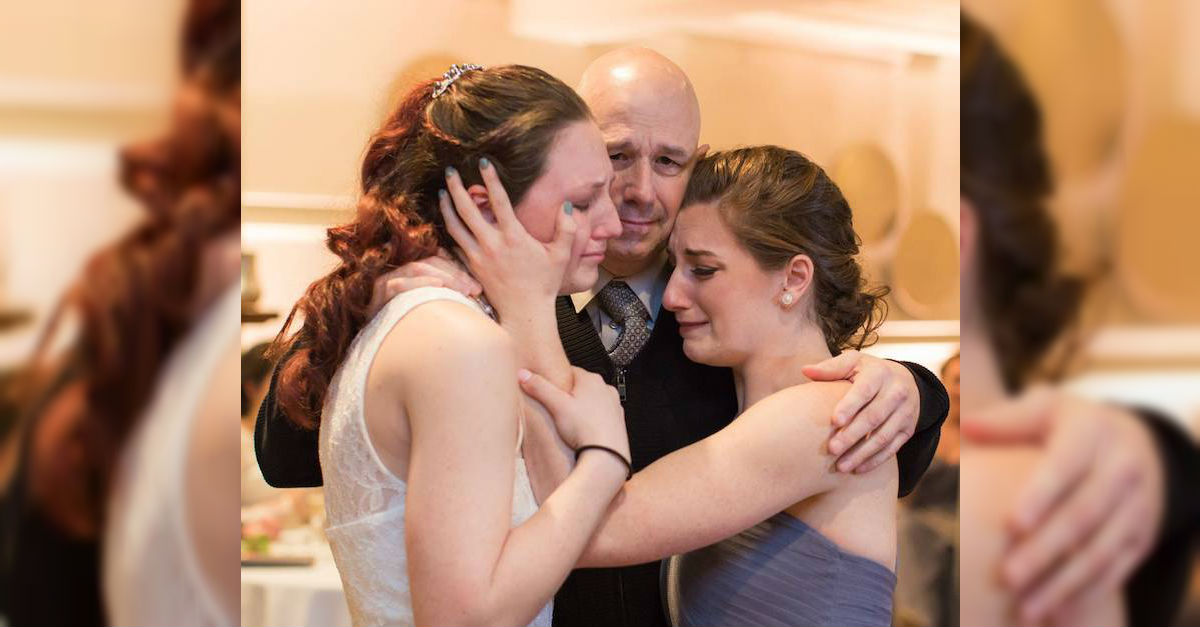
x=779, y=204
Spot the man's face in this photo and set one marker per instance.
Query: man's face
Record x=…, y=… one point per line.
x=652, y=145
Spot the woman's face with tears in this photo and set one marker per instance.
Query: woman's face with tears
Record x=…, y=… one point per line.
x=718, y=292
x=577, y=171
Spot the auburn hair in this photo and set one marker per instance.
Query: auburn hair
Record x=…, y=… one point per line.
x=509, y=114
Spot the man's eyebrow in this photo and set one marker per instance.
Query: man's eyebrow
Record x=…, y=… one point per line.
x=623, y=144
x=675, y=151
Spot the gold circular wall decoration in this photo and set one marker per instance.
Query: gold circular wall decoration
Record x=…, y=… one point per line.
x=925, y=269
x=1071, y=53
x=1158, y=222
x=871, y=186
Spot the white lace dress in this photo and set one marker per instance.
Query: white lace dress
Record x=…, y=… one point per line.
x=364, y=501
x=150, y=570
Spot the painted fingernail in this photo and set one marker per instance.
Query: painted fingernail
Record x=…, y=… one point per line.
x=442, y=194
x=568, y=207
x=484, y=163
x=450, y=171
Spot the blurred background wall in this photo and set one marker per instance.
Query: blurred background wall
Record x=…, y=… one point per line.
x=866, y=88
x=77, y=80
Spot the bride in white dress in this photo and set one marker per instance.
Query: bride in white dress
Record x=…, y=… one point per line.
x=432, y=518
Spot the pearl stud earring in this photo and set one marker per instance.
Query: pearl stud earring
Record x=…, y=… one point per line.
x=787, y=298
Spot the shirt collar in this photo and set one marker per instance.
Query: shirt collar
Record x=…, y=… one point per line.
x=646, y=284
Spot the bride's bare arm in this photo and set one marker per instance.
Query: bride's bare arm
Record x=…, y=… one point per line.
x=548, y=458
x=466, y=564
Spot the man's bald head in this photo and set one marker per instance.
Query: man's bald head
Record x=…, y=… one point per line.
x=650, y=118
x=637, y=77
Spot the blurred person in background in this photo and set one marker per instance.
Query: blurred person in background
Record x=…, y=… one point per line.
x=927, y=570
x=119, y=506
x=256, y=372
x=1073, y=512
x=939, y=487
x=266, y=511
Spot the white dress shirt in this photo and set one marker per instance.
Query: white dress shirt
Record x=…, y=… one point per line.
x=649, y=285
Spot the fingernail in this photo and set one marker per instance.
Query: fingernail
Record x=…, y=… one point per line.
x=441, y=194
x=450, y=171
x=568, y=207
x=523, y=375
x=835, y=447
x=484, y=163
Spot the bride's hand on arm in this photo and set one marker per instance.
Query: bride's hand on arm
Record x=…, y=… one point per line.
x=466, y=562
x=590, y=414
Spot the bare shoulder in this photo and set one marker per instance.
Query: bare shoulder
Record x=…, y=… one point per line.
x=795, y=423
x=443, y=337
x=992, y=479
x=990, y=483
x=811, y=402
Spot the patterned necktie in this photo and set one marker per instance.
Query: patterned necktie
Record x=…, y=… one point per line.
x=626, y=309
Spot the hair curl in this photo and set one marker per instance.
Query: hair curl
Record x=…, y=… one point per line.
x=136, y=298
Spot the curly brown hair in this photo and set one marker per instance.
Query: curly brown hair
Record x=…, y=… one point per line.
x=137, y=297
x=780, y=204
x=509, y=114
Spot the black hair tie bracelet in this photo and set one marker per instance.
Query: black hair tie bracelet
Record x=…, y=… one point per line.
x=628, y=466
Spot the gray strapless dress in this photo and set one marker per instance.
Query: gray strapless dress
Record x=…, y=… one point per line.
x=779, y=572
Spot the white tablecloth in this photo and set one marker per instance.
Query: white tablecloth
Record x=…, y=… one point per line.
x=277, y=596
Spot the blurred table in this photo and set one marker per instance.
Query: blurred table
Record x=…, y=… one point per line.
x=294, y=595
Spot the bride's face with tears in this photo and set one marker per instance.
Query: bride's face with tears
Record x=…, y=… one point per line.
x=719, y=293
x=578, y=171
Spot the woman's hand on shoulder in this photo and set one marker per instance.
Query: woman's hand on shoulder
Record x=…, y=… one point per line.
x=440, y=270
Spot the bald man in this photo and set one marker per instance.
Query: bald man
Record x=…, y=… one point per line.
x=650, y=119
